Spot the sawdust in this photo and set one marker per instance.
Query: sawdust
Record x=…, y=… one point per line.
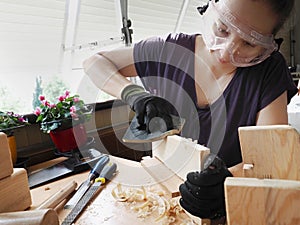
x=146, y=203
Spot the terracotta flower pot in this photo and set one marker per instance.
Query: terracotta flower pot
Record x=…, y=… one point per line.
x=69, y=139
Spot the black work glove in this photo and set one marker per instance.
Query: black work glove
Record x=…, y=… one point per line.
x=202, y=194
x=153, y=113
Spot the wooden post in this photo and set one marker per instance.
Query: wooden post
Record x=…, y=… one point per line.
x=255, y=201
x=270, y=151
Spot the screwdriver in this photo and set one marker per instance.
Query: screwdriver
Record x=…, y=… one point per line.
x=86, y=184
x=106, y=174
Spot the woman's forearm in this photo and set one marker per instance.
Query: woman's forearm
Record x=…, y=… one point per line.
x=109, y=70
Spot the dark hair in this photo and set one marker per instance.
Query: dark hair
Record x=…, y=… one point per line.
x=282, y=8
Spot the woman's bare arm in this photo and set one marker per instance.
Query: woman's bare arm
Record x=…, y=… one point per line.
x=274, y=113
x=109, y=70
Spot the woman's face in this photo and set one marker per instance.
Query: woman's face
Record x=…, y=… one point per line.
x=240, y=31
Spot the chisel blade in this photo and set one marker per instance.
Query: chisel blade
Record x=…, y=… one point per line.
x=78, y=195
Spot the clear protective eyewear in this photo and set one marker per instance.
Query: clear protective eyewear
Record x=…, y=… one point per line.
x=222, y=30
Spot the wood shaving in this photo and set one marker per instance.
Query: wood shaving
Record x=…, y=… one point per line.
x=149, y=202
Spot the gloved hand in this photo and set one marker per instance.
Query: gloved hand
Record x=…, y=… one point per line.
x=152, y=112
x=202, y=194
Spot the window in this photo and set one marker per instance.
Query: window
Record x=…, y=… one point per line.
x=30, y=37
x=43, y=42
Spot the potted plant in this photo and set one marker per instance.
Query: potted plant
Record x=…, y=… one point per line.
x=64, y=120
x=9, y=121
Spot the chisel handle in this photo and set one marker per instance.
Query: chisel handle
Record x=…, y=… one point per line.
x=107, y=173
x=98, y=167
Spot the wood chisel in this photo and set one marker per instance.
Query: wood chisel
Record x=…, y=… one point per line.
x=86, y=184
x=106, y=174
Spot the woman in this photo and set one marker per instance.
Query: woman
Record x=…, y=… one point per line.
x=228, y=76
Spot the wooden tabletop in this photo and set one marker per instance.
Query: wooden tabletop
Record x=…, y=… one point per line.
x=104, y=208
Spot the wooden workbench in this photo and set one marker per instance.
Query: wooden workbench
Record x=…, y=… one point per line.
x=104, y=209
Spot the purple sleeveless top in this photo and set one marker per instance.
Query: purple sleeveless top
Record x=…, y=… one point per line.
x=166, y=68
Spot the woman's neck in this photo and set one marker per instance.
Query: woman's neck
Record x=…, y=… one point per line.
x=211, y=78
x=217, y=69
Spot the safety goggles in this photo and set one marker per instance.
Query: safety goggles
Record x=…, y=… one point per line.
x=223, y=31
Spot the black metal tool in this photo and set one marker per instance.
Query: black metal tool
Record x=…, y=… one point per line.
x=95, y=172
x=135, y=135
x=68, y=167
x=107, y=173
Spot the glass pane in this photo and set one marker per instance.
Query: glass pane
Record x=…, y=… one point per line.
x=30, y=42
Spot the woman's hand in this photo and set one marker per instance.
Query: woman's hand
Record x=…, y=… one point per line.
x=153, y=113
x=202, y=194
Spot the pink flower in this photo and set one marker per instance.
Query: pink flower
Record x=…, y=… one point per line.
x=46, y=103
x=73, y=112
x=21, y=119
x=52, y=105
x=37, y=111
x=42, y=97
x=73, y=109
x=61, y=98
x=74, y=115
x=76, y=99
x=67, y=93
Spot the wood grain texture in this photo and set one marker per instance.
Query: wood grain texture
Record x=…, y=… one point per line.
x=6, y=167
x=35, y=217
x=14, y=191
x=254, y=201
x=180, y=154
x=163, y=175
x=58, y=197
x=274, y=151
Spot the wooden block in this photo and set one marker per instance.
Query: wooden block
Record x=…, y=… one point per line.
x=180, y=154
x=163, y=175
x=255, y=201
x=273, y=151
x=34, y=217
x=14, y=191
x=6, y=166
